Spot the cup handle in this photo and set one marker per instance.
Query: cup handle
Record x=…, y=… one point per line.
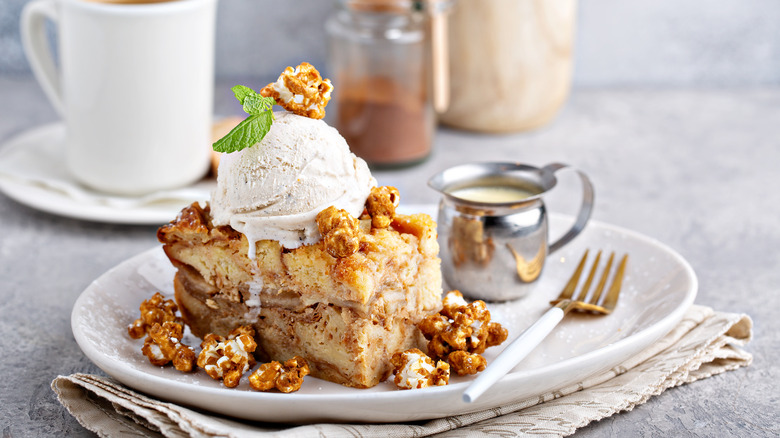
x=38, y=51
x=586, y=207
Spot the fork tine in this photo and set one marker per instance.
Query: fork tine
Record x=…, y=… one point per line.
x=617, y=281
x=586, y=287
x=568, y=290
x=603, y=280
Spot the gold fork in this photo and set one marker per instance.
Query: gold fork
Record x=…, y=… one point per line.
x=584, y=301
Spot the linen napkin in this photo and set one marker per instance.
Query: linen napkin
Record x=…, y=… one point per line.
x=703, y=344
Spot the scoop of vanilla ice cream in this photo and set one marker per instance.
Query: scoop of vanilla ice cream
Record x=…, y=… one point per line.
x=274, y=189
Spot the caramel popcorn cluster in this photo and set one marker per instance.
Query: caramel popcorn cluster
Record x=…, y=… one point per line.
x=163, y=346
x=457, y=337
x=222, y=358
x=461, y=332
x=163, y=330
x=228, y=358
x=287, y=377
x=414, y=370
x=381, y=204
x=340, y=231
x=301, y=91
x=155, y=310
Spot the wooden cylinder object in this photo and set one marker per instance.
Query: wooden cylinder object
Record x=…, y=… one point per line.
x=510, y=63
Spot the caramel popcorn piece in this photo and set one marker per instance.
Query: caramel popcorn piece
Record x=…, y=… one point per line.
x=163, y=345
x=301, y=91
x=496, y=335
x=413, y=369
x=228, y=358
x=461, y=326
x=381, y=204
x=264, y=377
x=433, y=324
x=464, y=363
x=452, y=301
x=340, y=231
x=287, y=377
x=155, y=310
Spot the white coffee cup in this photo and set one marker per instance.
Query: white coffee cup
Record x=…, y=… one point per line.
x=134, y=85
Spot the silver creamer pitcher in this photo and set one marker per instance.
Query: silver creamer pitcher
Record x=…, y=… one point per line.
x=493, y=226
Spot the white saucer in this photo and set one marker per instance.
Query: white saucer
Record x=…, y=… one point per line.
x=32, y=173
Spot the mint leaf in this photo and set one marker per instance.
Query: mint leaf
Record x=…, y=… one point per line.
x=264, y=121
x=241, y=92
x=252, y=129
x=247, y=133
x=256, y=104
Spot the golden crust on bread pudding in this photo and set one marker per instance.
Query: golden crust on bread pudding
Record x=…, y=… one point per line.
x=346, y=316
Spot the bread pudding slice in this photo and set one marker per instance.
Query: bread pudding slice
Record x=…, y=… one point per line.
x=346, y=316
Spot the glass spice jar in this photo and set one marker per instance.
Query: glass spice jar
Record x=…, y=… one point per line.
x=380, y=61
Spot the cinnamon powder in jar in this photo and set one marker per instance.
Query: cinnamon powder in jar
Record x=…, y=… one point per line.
x=384, y=121
x=379, y=59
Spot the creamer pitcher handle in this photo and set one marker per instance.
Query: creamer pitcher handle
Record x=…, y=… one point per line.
x=39, y=53
x=586, y=207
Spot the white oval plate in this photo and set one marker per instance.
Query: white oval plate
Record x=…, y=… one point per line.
x=658, y=288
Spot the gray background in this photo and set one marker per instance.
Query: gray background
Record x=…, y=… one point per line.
x=675, y=115
x=619, y=43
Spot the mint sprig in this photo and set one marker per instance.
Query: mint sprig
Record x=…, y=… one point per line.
x=252, y=129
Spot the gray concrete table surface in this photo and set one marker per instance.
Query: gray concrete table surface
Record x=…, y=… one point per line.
x=696, y=169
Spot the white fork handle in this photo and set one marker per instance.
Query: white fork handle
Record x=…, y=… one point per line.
x=514, y=353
